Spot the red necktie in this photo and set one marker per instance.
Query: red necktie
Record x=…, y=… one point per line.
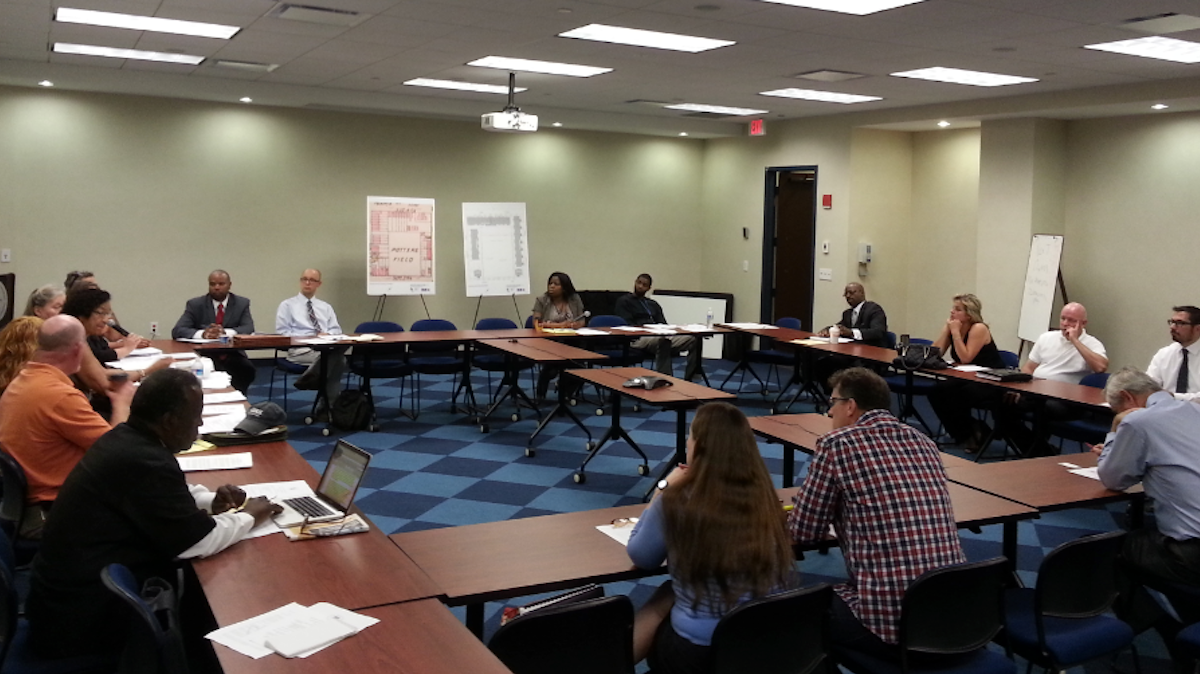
x=221, y=314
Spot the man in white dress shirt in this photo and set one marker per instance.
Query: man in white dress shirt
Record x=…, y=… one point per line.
x=306, y=316
x=1176, y=367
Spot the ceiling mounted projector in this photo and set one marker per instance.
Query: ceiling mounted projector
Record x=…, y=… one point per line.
x=510, y=119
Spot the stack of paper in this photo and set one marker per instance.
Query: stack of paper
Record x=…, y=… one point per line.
x=619, y=534
x=752, y=326
x=292, y=630
x=226, y=397
x=590, y=332
x=215, y=462
x=146, y=351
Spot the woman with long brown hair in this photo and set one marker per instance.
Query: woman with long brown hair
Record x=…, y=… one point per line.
x=721, y=525
x=18, y=341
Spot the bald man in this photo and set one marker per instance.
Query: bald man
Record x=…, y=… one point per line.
x=1068, y=354
x=46, y=423
x=306, y=316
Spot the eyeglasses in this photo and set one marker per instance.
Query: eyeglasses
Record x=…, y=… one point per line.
x=1178, y=324
x=833, y=400
x=305, y=279
x=100, y=312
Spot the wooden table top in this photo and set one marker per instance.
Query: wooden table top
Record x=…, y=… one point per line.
x=261, y=574
x=1041, y=483
x=802, y=430
x=512, y=558
x=542, y=350
x=415, y=637
x=680, y=393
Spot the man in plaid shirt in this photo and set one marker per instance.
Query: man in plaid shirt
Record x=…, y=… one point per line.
x=881, y=484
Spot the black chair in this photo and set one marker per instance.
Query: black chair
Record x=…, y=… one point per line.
x=15, y=654
x=155, y=642
x=947, y=618
x=1060, y=623
x=386, y=361
x=1187, y=643
x=594, y=636
x=784, y=633
x=437, y=359
x=768, y=354
x=284, y=367
x=1093, y=427
x=12, y=507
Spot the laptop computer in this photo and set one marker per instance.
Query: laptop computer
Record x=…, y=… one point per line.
x=340, y=481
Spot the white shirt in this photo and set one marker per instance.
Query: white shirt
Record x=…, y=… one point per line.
x=1164, y=369
x=1058, y=359
x=230, y=527
x=216, y=309
x=292, y=318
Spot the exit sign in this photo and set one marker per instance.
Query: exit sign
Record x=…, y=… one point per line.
x=757, y=128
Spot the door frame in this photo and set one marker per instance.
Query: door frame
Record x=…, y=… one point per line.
x=767, y=282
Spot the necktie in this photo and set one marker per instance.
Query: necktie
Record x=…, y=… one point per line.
x=854, y=318
x=221, y=314
x=312, y=317
x=1181, y=382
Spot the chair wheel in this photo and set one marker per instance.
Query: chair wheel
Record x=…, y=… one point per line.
x=599, y=411
x=637, y=408
x=643, y=470
x=308, y=421
x=325, y=431
x=580, y=478
x=774, y=411
x=515, y=417
x=591, y=444
x=483, y=428
x=373, y=428
x=530, y=452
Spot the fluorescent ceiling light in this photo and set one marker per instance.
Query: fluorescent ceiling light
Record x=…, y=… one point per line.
x=645, y=38
x=137, y=54
x=45, y=83
x=461, y=86
x=957, y=76
x=943, y=124
x=150, y=23
x=823, y=96
x=859, y=7
x=1154, y=47
x=246, y=99
x=544, y=67
x=1159, y=106
x=716, y=109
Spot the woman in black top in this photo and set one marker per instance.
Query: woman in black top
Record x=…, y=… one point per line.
x=968, y=340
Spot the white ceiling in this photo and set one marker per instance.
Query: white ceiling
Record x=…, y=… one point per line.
x=363, y=67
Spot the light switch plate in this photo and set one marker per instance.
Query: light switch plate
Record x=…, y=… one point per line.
x=825, y=274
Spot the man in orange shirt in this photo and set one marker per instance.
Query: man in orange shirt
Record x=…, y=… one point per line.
x=47, y=424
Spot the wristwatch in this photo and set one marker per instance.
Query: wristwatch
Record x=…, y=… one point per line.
x=662, y=484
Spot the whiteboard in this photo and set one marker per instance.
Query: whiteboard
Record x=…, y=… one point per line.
x=495, y=249
x=400, y=246
x=1041, y=276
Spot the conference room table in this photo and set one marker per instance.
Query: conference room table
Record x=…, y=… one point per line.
x=477, y=563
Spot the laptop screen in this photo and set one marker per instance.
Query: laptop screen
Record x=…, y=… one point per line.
x=342, y=476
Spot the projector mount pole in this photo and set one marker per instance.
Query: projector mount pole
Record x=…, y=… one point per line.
x=512, y=94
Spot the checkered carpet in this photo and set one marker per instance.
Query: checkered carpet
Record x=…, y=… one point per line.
x=441, y=470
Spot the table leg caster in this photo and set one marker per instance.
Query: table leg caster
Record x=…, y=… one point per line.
x=580, y=478
x=530, y=452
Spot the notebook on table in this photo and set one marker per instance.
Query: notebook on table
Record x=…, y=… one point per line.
x=335, y=493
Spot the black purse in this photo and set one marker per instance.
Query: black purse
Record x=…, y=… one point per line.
x=920, y=357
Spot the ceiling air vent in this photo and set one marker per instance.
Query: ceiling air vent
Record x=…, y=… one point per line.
x=323, y=15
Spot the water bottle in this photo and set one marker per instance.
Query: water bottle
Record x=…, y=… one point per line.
x=708, y=319
x=197, y=368
x=834, y=333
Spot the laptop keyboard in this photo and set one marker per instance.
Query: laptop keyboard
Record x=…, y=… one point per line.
x=308, y=506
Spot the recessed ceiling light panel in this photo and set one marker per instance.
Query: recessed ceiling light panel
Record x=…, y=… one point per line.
x=1154, y=47
x=461, y=86
x=822, y=96
x=645, y=38
x=858, y=7
x=136, y=54
x=959, y=76
x=716, y=109
x=543, y=67
x=150, y=23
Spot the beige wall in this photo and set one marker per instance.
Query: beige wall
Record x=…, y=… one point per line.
x=881, y=198
x=151, y=194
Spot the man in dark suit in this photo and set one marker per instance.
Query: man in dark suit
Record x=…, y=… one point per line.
x=218, y=313
x=863, y=322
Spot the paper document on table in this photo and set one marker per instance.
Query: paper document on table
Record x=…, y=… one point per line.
x=589, y=332
x=215, y=462
x=1093, y=472
x=216, y=380
x=628, y=328
x=182, y=355
x=812, y=341
x=194, y=340
x=225, y=397
x=224, y=408
x=146, y=351
x=619, y=534
x=751, y=326
x=559, y=331
x=291, y=624
x=330, y=339
x=368, y=337
x=696, y=327
x=132, y=363
x=969, y=368
x=277, y=491
x=222, y=423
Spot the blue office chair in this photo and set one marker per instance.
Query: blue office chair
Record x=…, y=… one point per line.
x=947, y=618
x=155, y=641
x=1010, y=359
x=16, y=657
x=1061, y=622
x=920, y=386
x=284, y=367
x=437, y=359
x=1093, y=427
x=770, y=356
x=12, y=508
x=496, y=362
x=385, y=361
